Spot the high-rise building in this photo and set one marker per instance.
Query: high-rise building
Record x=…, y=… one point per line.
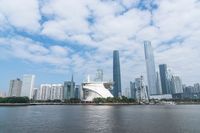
x=35, y=92
x=28, y=85
x=2, y=94
x=116, y=74
x=158, y=81
x=99, y=75
x=78, y=91
x=150, y=65
x=15, y=88
x=56, y=92
x=197, y=87
x=176, y=85
x=45, y=92
x=51, y=92
x=141, y=90
x=133, y=90
x=165, y=81
x=169, y=79
x=69, y=87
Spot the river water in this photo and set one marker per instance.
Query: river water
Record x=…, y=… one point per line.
x=100, y=119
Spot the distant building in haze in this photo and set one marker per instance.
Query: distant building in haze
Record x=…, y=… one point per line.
x=150, y=65
x=197, y=87
x=99, y=75
x=45, y=92
x=69, y=89
x=116, y=74
x=57, y=91
x=176, y=85
x=158, y=81
x=28, y=85
x=15, y=88
x=133, y=90
x=2, y=94
x=50, y=92
x=141, y=90
x=77, y=92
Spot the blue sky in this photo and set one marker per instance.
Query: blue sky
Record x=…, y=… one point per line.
x=55, y=38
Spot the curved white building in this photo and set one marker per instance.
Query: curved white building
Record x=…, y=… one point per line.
x=93, y=90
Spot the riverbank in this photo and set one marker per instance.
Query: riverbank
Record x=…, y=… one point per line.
x=14, y=104
x=109, y=104
x=35, y=104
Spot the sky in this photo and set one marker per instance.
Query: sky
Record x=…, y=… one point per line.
x=54, y=39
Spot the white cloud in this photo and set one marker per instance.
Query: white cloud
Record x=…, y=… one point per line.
x=99, y=27
x=21, y=14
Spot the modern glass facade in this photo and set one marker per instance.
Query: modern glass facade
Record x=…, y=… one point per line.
x=151, y=72
x=28, y=85
x=69, y=89
x=116, y=74
x=176, y=85
x=164, y=79
x=15, y=88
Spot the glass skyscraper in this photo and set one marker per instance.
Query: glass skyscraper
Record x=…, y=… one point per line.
x=151, y=72
x=69, y=87
x=164, y=79
x=15, y=87
x=116, y=74
x=28, y=85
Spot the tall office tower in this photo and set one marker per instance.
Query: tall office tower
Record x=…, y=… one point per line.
x=28, y=85
x=69, y=87
x=57, y=92
x=169, y=80
x=15, y=88
x=141, y=90
x=165, y=81
x=158, y=81
x=133, y=90
x=197, y=87
x=99, y=75
x=78, y=91
x=150, y=65
x=116, y=74
x=176, y=85
x=35, y=92
x=45, y=92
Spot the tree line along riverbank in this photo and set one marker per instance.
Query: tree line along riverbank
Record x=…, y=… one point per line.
x=8, y=101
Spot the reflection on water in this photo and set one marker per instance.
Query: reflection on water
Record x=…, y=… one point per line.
x=102, y=119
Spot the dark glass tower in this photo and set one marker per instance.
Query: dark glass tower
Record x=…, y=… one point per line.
x=164, y=79
x=116, y=74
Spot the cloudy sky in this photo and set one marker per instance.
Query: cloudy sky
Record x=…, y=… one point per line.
x=55, y=38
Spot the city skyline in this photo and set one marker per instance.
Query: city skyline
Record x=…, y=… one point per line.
x=53, y=43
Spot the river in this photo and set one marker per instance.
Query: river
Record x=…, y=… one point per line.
x=100, y=119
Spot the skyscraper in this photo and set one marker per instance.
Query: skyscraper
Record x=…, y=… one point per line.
x=15, y=88
x=164, y=79
x=77, y=92
x=150, y=65
x=69, y=87
x=28, y=85
x=141, y=91
x=57, y=91
x=158, y=81
x=176, y=85
x=116, y=74
x=99, y=75
x=133, y=90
